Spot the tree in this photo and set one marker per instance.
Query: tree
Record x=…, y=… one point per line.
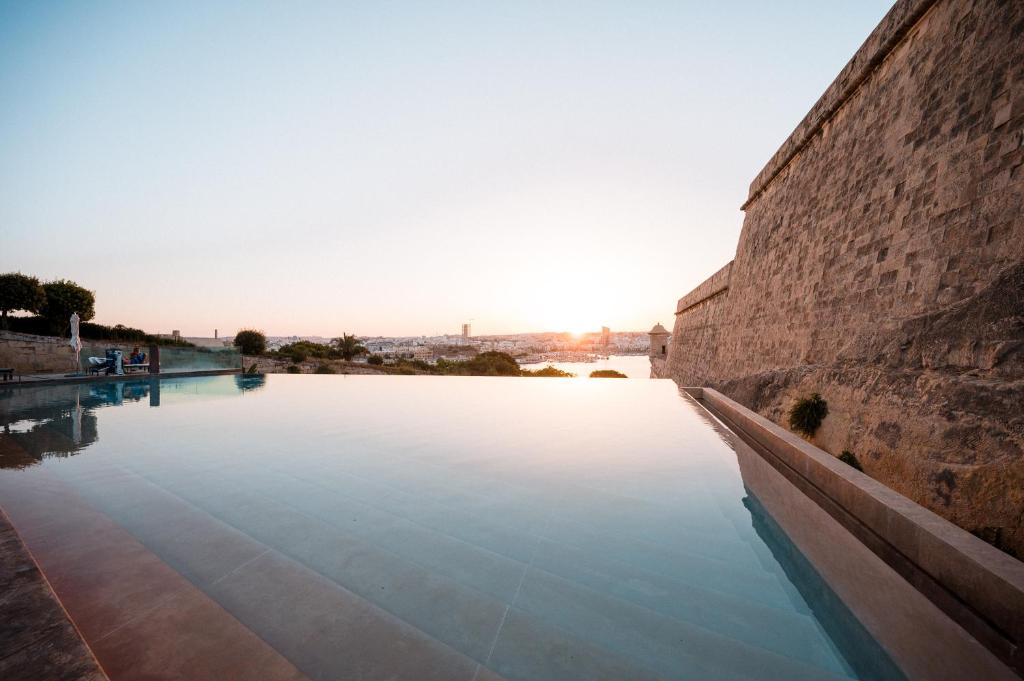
x=250, y=342
x=349, y=346
x=19, y=292
x=62, y=297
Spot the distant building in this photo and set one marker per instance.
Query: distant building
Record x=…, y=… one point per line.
x=606, y=334
x=465, y=331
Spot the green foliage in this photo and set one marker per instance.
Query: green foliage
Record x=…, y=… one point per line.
x=607, y=373
x=62, y=297
x=117, y=333
x=548, y=372
x=299, y=351
x=807, y=414
x=292, y=369
x=20, y=292
x=348, y=346
x=490, y=364
x=324, y=369
x=375, y=360
x=850, y=459
x=251, y=342
x=493, y=364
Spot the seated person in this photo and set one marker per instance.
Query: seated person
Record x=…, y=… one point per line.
x=136, y=357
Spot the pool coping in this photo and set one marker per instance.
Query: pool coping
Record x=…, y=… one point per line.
x=64, y=380
x=55, y=647
x=977, y=585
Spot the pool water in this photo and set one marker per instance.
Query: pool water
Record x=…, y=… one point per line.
x=379, y=527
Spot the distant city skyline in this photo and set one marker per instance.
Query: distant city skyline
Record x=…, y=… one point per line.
x=396, y=169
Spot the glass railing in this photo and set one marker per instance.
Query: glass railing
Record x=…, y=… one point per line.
x=172, y=358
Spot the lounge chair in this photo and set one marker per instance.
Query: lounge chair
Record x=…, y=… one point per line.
x=111, y=364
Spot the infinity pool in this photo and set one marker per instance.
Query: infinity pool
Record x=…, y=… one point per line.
x=373, y=527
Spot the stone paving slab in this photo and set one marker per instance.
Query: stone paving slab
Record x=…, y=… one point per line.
x=37, y=641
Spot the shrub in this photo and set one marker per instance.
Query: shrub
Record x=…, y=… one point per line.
x=292, y=369
x=607, y=373
x=62, y=298
x=117, y=333
x=549, y=372
x=250, y=342
x=807, y=414
x=850, y=459
x=375, y=360
x=299, y=351
x=490, y=364
x=324, y=369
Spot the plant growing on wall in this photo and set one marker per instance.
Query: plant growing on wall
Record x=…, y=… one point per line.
x=807, y=413
x=850, y=459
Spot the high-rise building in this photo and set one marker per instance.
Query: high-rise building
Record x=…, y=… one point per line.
x=465, y=330
x=606, y=335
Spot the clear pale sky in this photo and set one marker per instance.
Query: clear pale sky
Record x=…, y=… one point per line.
x=397, y=168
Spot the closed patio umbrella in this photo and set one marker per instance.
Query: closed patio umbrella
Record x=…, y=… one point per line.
x=76, y=341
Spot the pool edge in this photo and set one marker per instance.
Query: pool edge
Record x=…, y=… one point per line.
x=975, y=584
x=65, y=652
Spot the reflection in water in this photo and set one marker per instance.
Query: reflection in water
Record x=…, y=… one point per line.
x=247, y=382
x=59, y=421
x=842, y=626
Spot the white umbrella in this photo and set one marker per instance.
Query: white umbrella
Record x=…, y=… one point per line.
x=76, y=341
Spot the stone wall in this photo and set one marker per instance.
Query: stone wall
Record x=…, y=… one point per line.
x=27, y=353
x=881, y=263
x=30, y=354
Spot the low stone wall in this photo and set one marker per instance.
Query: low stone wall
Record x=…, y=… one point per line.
x=27, y=353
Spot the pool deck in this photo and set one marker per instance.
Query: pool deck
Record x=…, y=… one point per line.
x=30, y=380
x=38, y=641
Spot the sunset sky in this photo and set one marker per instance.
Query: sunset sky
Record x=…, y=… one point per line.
x=397, y=168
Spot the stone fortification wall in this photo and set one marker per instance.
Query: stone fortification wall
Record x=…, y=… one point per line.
x=881, y=263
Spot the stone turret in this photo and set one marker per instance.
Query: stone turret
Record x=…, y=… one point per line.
x=659, y=342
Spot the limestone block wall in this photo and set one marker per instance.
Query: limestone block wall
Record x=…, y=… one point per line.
x=895, y=207
x=28, y=353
